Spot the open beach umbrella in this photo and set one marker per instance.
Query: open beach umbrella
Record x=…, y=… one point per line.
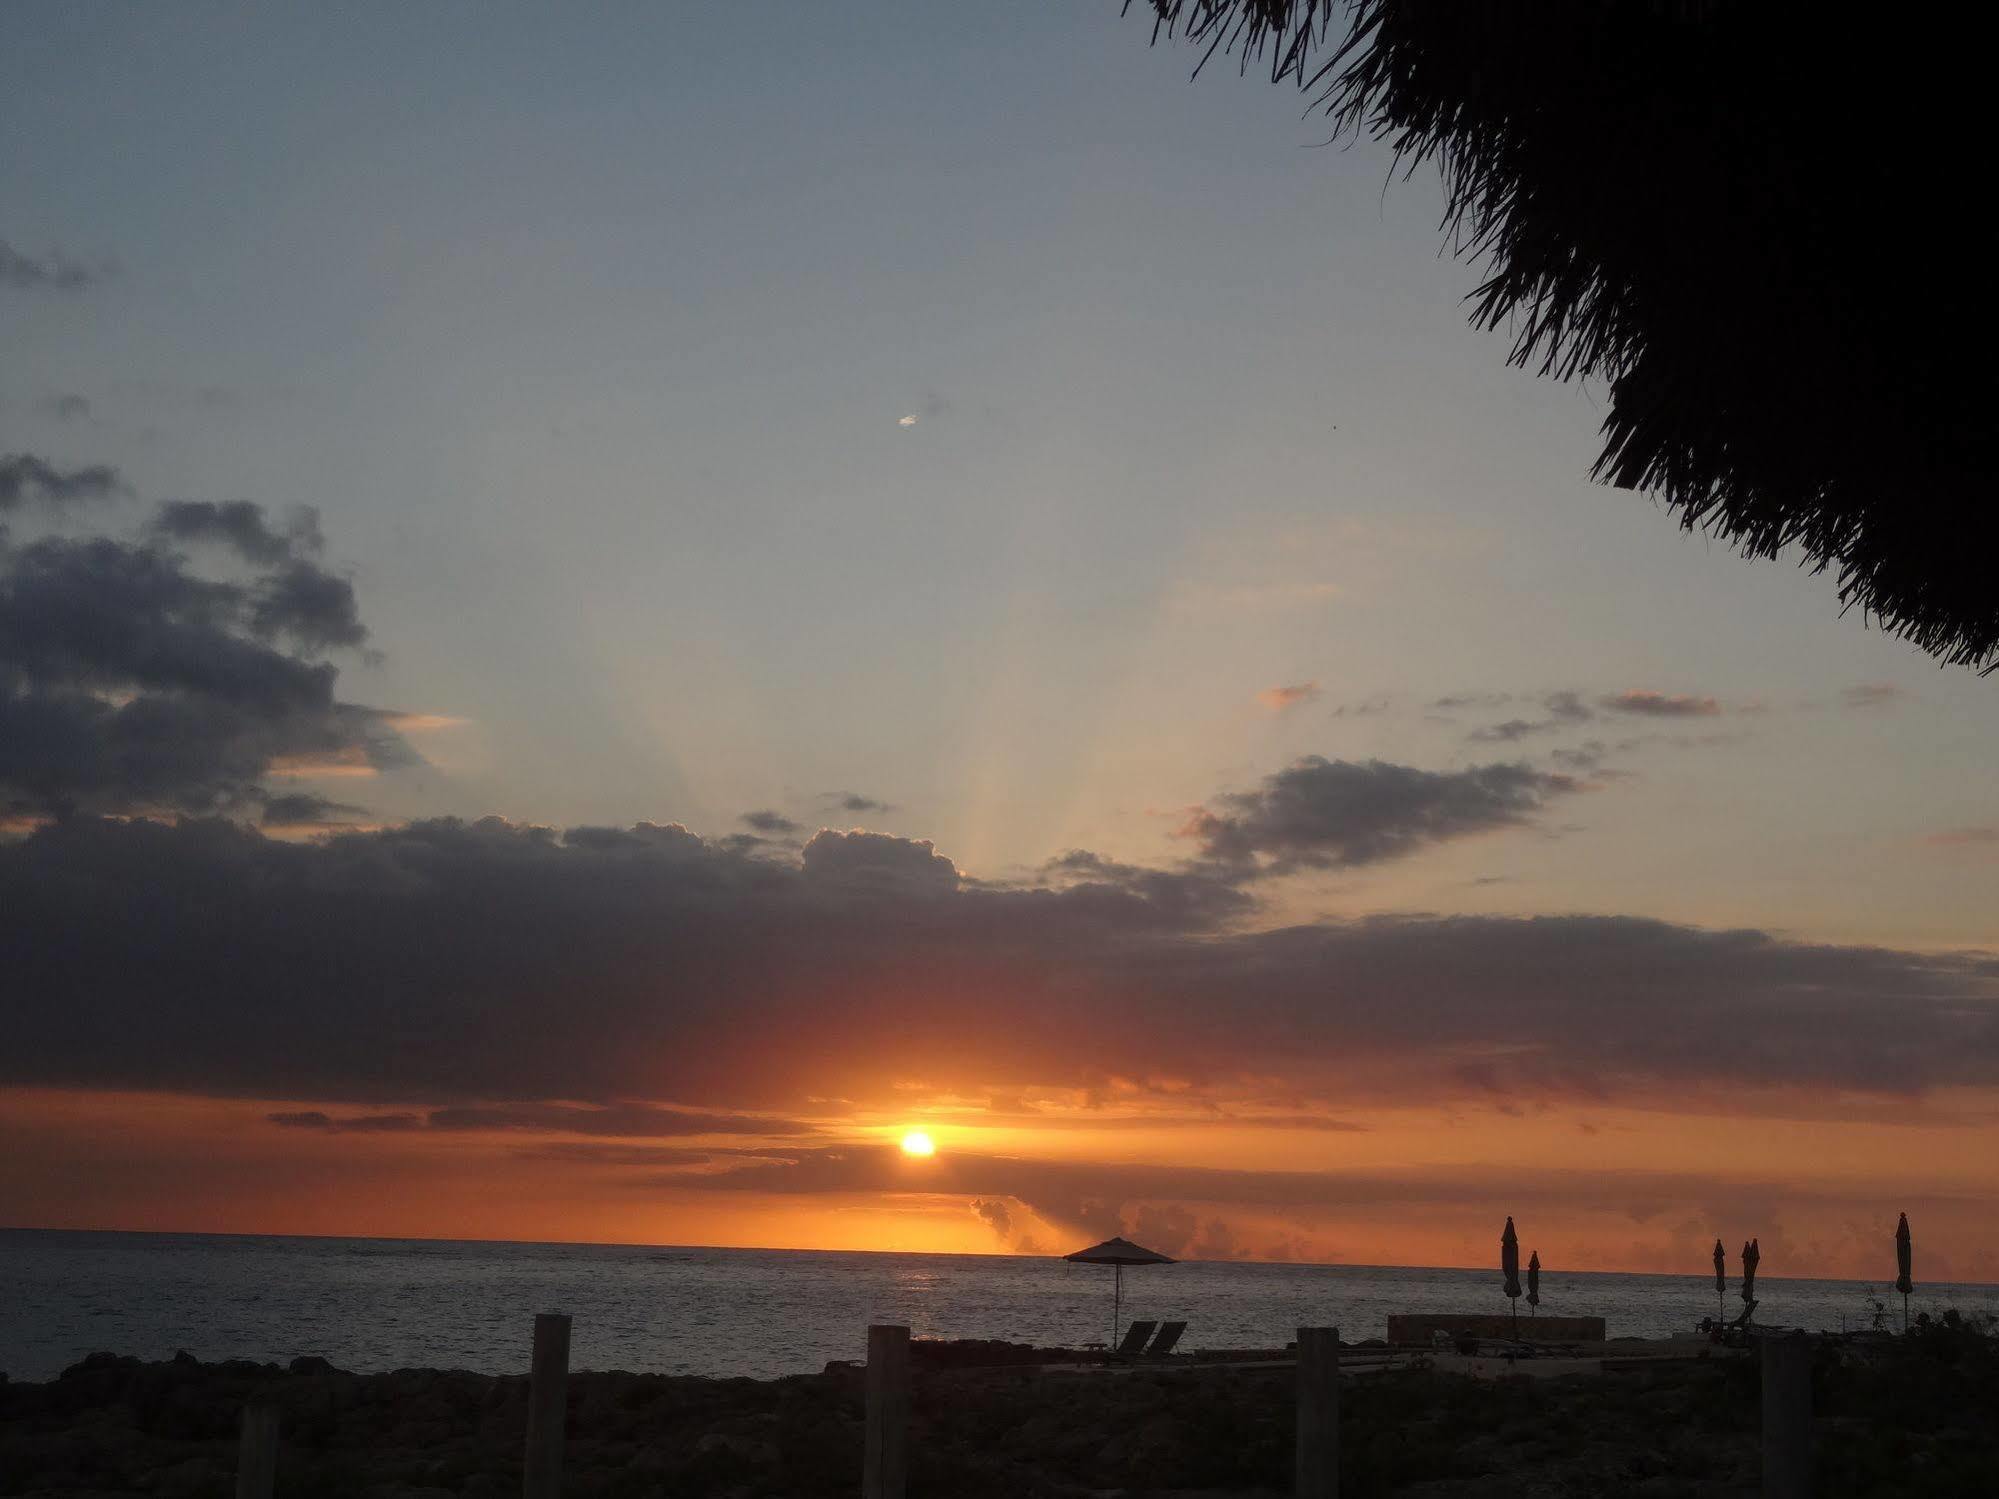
x=1534, y=1279
x=1751, y=1257
x=1509, y=1265
x=1720, y=1276
x=1117, y=1253
x=1904, y=1262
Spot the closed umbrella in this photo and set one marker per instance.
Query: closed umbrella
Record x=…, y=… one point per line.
x=1751, y=1257
x=1509, y=1266
x=1117, y=1253
x=1720, y=1277
x=1534, y=1279
x=1904, y=1261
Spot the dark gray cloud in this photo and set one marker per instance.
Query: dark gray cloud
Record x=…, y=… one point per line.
x=295, y=809
x=352, y=1124
x=53, y=271
x=1455, y=701
x=1331, y=814
x=625, y=1120
x=24, y=477
x=129, y=681
x=770, y=822
x=243, y=527
x=878, y=862
x=1194, y=895
x=458, y=964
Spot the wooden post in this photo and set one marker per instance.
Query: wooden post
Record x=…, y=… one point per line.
x=1318, y=1413
x=257, y=1452
x=1787, y=1417
x=885, y=1462
x=548, y=1401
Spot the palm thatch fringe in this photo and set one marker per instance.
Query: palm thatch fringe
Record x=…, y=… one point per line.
x=1751, y=221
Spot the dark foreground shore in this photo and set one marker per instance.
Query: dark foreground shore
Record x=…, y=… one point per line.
x=1912, y=1417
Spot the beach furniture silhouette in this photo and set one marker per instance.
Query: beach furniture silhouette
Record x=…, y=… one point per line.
x=1134, y=1339
x=1117, y=1253
x=1169, y=1336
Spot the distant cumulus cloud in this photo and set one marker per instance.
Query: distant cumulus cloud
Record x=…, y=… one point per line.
x=1661, y=704
x=768, y=821
x=1278, y=699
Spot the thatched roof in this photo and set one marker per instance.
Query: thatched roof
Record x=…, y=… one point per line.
x=1756, y=223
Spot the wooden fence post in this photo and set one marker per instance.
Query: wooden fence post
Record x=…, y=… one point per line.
x=885, y=1461
x=257, y=1452
x=1787, y=1417
x=1318, y=1413
x=548, y=1400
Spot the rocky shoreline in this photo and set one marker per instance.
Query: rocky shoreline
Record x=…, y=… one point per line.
x=994, y=1420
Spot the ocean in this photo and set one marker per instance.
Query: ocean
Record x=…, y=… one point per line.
x=376, y=1304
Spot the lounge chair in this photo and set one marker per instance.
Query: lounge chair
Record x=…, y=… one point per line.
x=1169, y=1336
x=1134, y=1339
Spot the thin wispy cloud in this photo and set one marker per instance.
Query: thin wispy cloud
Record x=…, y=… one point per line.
x=51, y=271
x=1660, y=704
x=1281, y=699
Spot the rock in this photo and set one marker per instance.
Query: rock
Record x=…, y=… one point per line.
x=311, y=1363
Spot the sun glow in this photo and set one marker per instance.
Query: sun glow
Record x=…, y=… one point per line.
x=916, y=1142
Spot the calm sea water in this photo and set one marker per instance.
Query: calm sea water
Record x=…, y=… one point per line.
x=372, y=1304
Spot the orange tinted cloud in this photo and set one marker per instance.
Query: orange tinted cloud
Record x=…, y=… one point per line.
x=1278, y=699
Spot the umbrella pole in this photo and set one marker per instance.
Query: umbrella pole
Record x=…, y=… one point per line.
x=1905, y=1311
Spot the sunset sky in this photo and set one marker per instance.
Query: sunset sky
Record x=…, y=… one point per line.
x=604, y=611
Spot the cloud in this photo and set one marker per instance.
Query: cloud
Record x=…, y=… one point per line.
x=634, y=1121
x=878, y=862
x=1872, y=695
x=617, y=969
x=1660, y=704
x=353, y=1124
x=767, y=821
x=23, y=476
x=1564, y=710
x=854, y=801
x=53, y=271
x=1278, y=699
x=1331, y=814
x=68, y=408
x=1365, y=708
x=1964, y=837
x=293, y=809
x=243, y=527
x=994, y=1212
x=1458, y=700
x=130, y=681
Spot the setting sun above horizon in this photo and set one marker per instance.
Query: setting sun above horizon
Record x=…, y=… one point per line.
x=916, y=1142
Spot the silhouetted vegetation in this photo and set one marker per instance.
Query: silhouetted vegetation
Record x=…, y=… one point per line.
x=1750, y=224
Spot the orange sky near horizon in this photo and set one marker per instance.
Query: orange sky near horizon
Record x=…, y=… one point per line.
x=1613, y=1189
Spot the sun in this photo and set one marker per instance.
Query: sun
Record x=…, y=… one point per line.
x=916, y=1142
